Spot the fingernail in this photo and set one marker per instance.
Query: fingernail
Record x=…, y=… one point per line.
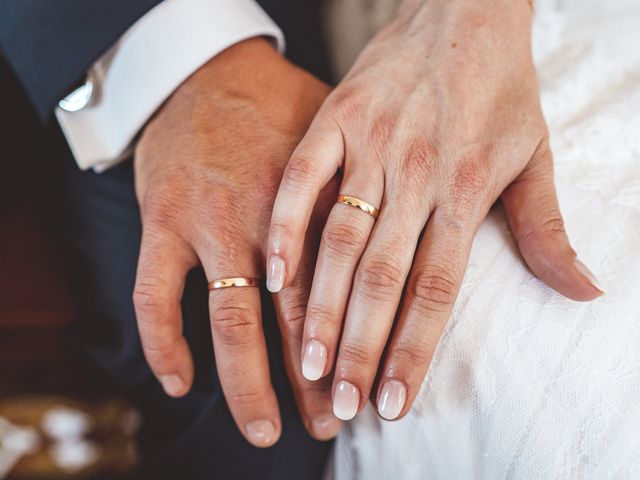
x=172, y=384
x=345, y=400
x=391, y=400
x=588, y=274
x=314, y=361
x=326, y=426
x=275, y=274
x=261, y=433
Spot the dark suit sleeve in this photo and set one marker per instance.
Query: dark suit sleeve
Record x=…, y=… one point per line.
x=52, y=43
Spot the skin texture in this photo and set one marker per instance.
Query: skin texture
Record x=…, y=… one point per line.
x=439, y=118
x=207, y=168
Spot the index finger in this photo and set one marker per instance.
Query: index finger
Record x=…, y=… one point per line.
x=312, y=165
x=162, y=267
x=312, y=398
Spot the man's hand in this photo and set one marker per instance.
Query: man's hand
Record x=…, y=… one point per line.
x=439, y=117
x=207, y=170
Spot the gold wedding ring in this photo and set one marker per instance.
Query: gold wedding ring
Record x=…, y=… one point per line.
x=361, y=204
x=233, y=282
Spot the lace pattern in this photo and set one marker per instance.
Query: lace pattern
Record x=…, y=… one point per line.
x=526, y=384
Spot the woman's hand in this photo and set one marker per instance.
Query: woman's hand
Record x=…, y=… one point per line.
x=438, y=118
x=207, y=170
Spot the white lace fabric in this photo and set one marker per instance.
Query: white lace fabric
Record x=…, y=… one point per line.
x=526, y=384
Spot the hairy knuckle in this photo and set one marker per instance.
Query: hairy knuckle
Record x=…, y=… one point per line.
x=434, y=290
x=342, y=239
x=234, y=326
x=161, y=205
x=381, y=276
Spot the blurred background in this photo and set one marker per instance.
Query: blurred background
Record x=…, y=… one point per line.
x=59, y=418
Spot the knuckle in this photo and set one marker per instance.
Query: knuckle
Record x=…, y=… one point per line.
x=415, y=356
x=161, y=205
x=234, y=326
x=382, y=132
x=301, y=172
x=381, y=277
x=552, y=225
x=434, y=290
x=471, y=179
x=293, y=318
x=354, y=354
x=151, y=294
x=343, y=240
x=245, y=398
x=282, y=229
x=157, y=350
x=345, y=103
x=320, y=314
x=420, y=160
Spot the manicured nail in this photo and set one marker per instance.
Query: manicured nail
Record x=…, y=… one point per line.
x=588, y=274
x=275, y=274
x=262, y=433
x=391, y=400
x=172, y=384
x=326, y=427
x=345, y=400
x=315, y=360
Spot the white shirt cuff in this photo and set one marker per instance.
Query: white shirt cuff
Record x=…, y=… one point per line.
x=147, y=64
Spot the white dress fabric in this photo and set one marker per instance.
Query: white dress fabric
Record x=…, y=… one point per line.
x=526, y=384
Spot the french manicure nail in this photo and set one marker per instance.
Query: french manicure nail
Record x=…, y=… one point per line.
x=261, y=433
x=315, y=360
x=172, y=384
x=345, y=400
x=588, y=274
x=275, y=274
x=391, y=400
x=326, y=426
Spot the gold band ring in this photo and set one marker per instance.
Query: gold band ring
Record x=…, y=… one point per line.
x=361, y=204
x=233, y=282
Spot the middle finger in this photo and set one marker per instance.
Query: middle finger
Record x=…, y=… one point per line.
x=376, y=293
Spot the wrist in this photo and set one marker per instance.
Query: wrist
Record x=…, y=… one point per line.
x=239, y=67
x=426, y=23
x=414, y=10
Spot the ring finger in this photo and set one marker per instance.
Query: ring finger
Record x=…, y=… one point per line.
x=344, y=239
x=432, y=288
x=377, y=290
x=241, y=354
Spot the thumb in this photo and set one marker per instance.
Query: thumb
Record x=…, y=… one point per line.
x=531, y=207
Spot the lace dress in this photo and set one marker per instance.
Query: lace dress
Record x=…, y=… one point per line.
x=526, y=384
